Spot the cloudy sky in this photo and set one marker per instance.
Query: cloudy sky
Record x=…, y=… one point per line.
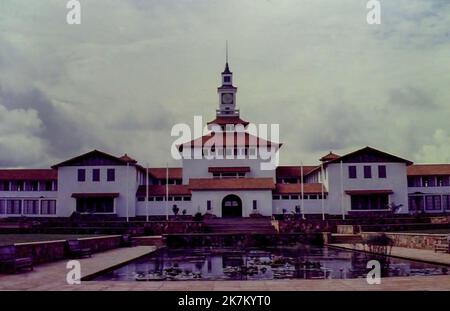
x=133, y=68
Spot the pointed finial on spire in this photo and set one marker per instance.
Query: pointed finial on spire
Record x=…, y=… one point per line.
x=227, y=68
x=226, y=51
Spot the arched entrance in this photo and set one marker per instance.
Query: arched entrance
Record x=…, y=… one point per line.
x=231, y=206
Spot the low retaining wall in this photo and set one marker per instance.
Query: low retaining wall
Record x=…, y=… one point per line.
x=169, y=227
x=48, y=251
x=411, y=240
x=240, y=240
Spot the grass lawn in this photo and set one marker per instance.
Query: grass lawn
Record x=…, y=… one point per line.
x=7, y=239
x=432, y=231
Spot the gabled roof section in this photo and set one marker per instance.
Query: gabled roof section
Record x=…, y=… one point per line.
x=429, y=169
x=28, y=174
x=238, y=139
x=369, y=154
x=95, y=158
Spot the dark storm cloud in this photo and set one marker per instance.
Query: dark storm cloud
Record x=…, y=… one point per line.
x=64, y=136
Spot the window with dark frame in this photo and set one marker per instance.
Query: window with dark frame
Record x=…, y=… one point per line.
x=208, y=205
x=96, y=174
x=367, y=171
x=81, y=174
x=352, y=172
x=111, y=174
x=382, y=171
x=255, y=205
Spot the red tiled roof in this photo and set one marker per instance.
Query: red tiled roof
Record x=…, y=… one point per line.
x=329, y=157
x=160, y=190
x=428, y=169
x=234, y=169
x=200, y=184
x=160, y=172
x=238, y=139
x=293, y=171
x=95, y=195
x=363, y=192
x=296, y=188
x=28, y=174
x=228, y=120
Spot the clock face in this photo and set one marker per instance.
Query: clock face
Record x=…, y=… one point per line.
x=227, y=98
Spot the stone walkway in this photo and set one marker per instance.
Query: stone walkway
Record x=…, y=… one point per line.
x=408, y=253
x=52, y=276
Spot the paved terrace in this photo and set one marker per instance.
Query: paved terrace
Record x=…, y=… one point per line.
x=52, y=276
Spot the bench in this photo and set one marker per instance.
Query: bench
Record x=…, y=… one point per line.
x=10, y=262
x=76, y=251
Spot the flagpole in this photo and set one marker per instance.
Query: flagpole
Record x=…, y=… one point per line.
x=302, y=190
x=128, y=192
x=167, y=191
x=146, y=193
x=323, y=202
x=342, y=191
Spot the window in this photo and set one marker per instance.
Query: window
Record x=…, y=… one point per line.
x=367, y=171
x=96, y=174
x=381, y=171
x=2, y=207
x=48, y=207
x=141, y=199
x=81, y=174
x=276, y=197
x=48, y=185
x=442, y=181
x=16, y=185
x=31, y=207
x=415, y=203
x=255, y=205
x=313, y=197
x=294, y=197
x=159, y=199
x=227, y=79
x=151, y=198
x=186, y=198
x=14, y=207
x=285, y=197
x=95, y=205
x=178, y=198
x=208, y=205
x=428, y=181
x=111, y=174
x=352, y=171
x=445, y=202
x=369, y=202
x=432, y=202
x=4, y=186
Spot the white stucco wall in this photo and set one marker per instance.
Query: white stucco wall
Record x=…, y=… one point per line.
x=193, y=168
x=263, y=197
x=395, y=180
x=68, y=184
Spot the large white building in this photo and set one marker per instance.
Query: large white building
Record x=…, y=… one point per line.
x=228, y=180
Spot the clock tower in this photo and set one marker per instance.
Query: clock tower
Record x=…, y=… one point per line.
x=227, y=95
